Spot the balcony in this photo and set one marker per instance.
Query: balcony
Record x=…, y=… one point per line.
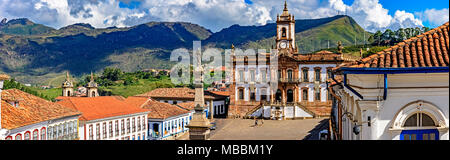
x=290, y=80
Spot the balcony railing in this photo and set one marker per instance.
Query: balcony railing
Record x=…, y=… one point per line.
x=290, y=80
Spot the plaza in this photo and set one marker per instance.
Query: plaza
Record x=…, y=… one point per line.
x=245, y=129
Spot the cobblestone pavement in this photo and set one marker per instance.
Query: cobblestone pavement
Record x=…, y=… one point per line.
x=244, y=129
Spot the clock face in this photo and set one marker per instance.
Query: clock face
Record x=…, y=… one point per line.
x=283, y=45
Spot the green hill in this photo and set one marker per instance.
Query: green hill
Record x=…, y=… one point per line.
x=23, y=26
x=41, y=55
x=311, y=35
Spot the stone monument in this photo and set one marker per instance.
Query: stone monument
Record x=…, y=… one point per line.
x=199, y=126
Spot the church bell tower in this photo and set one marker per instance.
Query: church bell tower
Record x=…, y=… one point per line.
x=285, y=40
x=67, y=86
x=92, y=87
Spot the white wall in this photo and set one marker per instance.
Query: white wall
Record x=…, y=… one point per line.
x=403, y=89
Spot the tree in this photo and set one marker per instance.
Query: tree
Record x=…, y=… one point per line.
x=112, y=74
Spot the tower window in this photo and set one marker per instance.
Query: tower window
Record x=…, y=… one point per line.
x=283, y=32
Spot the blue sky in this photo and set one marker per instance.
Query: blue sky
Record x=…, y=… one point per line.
x=372, y=15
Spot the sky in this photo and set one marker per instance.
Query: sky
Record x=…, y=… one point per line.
x=216, y=15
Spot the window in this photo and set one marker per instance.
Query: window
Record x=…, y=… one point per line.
x=110, y=129
x=283, y=32
x=252, y=76
x=116, y=124
x=97, y=131
x=263, y=94
x=43, y=136
x=241, y=94
x=290, y=77
x=65, y=129
x=75, y=127
x=329, y=75
x=122, y=126
x=70, y=127
x=133, y=125
x=128, y=125
x=50, y=132
x=305, y=75
x=139, y=123
x=241, y=76
x=18, y=137
x=27, y=135
x=305, y=94
x=317, y=96
x=35, y=135
x=60, y=129
x=104, y=130
x=55, y=132
x=263, y=75
x=91, y=132
x=252, y=96
x=419, y=120
x=317, y=74
x=143, y=123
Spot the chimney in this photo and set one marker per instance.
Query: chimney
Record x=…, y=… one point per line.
x=2, y=78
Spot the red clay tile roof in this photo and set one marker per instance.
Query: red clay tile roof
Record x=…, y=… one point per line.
x=100, y=107
x=187, y=105
x=31, y=109
x=3, y=77
x=426, y=50
x=183, y=93
x=221, y=93
x=160, y=110
x=332, y=82
x=324, y=56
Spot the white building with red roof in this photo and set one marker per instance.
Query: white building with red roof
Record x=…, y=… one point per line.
x=401, y=93
x=28, y=117
x=165, y=121
x=108, y=118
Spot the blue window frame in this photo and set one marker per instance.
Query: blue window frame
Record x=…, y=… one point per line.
x=425, y=134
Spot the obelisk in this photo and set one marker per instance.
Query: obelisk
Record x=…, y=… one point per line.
x=199, y=126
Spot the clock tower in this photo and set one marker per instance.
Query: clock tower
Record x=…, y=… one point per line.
x=285, y=41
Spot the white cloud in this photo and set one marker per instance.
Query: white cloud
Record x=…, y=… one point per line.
x=434, y=17
x=212, y=14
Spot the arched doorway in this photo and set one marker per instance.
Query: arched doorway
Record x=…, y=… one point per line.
x=419, y=120
x=290, y=96
x=278, y=96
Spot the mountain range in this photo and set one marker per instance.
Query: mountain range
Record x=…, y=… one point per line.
x=37, y=54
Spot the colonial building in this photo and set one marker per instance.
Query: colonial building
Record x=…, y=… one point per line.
x=401, y=93
x=300, y=91
x=108, y=118
x=182, y=95
x=165, y=121
x=27, y=117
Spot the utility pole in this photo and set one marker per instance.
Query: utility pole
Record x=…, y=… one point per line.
x=328, y=44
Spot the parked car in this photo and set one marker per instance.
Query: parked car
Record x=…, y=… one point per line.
x=213, y=126
x=323, y=135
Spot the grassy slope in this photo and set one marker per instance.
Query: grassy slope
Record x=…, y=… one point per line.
x=343, y=29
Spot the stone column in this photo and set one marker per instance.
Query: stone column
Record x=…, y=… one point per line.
x=368, y=109
x=211, y=109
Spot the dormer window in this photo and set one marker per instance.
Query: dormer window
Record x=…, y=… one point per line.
x=14, y=103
